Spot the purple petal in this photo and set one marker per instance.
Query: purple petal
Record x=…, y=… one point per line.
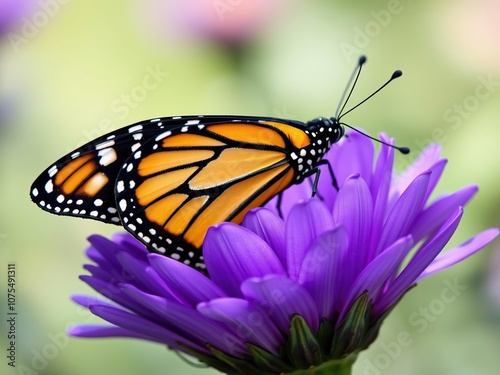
x=306, y=221
x=87, y=301
x=423, y=257
x=270, y=227
x=247, y=321
x=404, y=211
x=281, y=298
x=135, y=272
x=324, y=271
x=101, y=331
x=436, y=172
x=292, y=195
x=354, y=156
x=433, y=217
x=380, y=187
x=427, y=158
x=460, y=252
x=353, y=209
x=186, y=284
x=376, y=273
x=232, y=254
x=142, y=326
x=187, y=322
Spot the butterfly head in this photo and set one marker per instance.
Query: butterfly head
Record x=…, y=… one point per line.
x=323, y=132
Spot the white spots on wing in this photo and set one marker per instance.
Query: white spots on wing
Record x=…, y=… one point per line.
x=49, y=186
x=184, y=129
x=139, y=220
x=98, y=202
x=193, y=122
x=123, y=204
x=94, y=213
x=175, y=256
x=156, y=120
x=79, y=202
x=131, y=184
x=34, y=192
x=176, y=117
x=66, y=210
x=115, y=219
x=303, y=152
x=293, y=155
x=163, y=135
x=135, y=146
x=111, y=136
x=107, y=156
x=120, y=186
x=57, y=209
x=152, y=231
x=74, y=155
x=129, y=167
x=52, y=171
x=135, y=128
x=112, y=210
x=137, y=136
x=104, y=145
x=137, y=155
x=201, y=126
x=132, y=227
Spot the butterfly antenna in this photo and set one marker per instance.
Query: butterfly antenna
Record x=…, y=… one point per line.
x=396, y=74
x=351, y=83
x=403, y=150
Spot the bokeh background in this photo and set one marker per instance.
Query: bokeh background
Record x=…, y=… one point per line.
x=71, y=70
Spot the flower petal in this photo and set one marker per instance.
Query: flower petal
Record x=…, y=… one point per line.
x=270, y=227
x=404, y=212
x=354, y=156
x=246, y=320
x=232, y=254
x=186, y=284
x=427, y=158
x=105, y=330
x=323, y=272
x=353, y=209
x=306, y=221
x=432, y=218
x=460, y=252
x=380, y=187
x=422, y=258
x=187, y=322
x=281, y=298
x=143, y=326
x=376, y=273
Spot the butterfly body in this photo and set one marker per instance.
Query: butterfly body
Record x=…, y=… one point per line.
x=167, y=180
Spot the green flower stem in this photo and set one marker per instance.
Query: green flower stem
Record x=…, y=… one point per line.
x=333, y=367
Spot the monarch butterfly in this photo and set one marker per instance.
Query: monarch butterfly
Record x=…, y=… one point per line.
x=167, y=180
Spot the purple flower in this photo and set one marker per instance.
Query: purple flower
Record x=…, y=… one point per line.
x=11, y=12
x=308, y=291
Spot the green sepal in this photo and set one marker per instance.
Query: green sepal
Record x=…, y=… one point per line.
x=351, y=332
x=210, y=360
x=303, y=348
x=325, y=336
x=239, y=366
x=267, y=361
x=333, y=367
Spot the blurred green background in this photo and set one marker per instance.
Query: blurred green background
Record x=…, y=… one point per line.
x=73, y=70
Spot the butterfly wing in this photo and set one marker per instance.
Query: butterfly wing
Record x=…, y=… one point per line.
x=185, y=180
x=82, y=183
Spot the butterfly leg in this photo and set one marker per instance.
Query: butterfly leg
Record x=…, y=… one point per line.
x=278, y=205
x=330, y=170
